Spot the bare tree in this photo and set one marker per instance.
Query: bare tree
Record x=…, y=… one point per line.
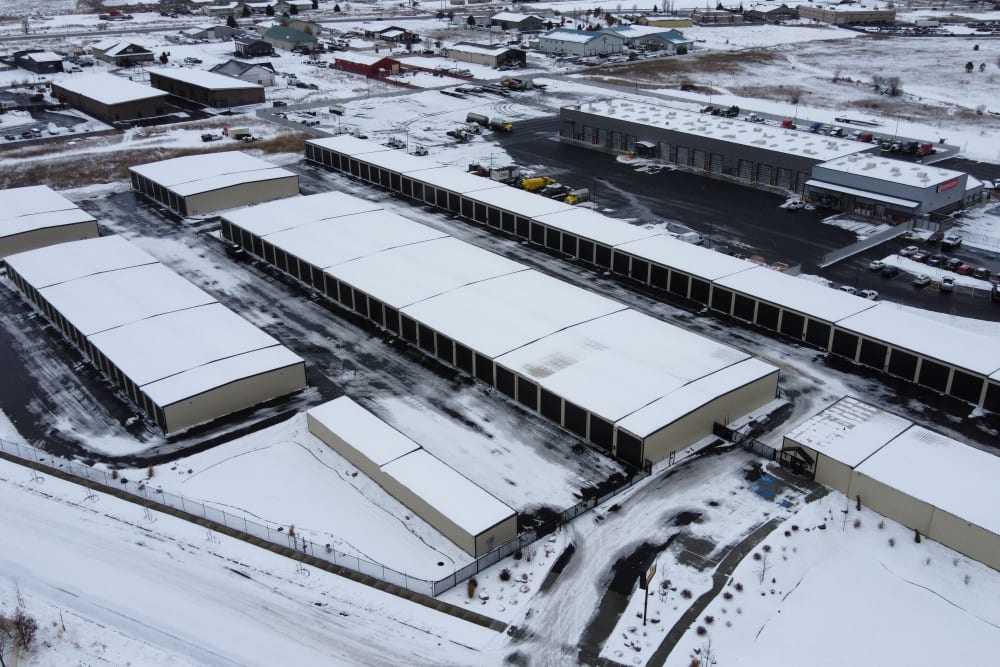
x=895, y=86
x=763, y=568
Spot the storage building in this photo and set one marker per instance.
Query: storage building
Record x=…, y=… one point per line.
x=37, y=216
x=38, y=61
x=122, y=54
x=110, y=98
x=847, y=14
x=491, y=55
x=519, y=22
x=463, y=512
x=938, y=486
x=199, y=184
x=366, y=64
x=637, y=387
x=568, y=42
x=261, y=74
x=944, y=358
x=652, y=38
x=180, y=356
x=212, y=90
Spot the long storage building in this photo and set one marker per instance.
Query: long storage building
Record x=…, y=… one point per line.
x=633, y=385
x=463, y=512
x=934, y=484
x=110, y=98
x=899, y=342
x=180, y=355
x=200, y=184
x=37, y=216
x=213, y=90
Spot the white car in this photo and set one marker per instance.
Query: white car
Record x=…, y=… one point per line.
x=876, y=265
x=848, y=289
x=947, y=284
x=909, y=250
x=869, y=294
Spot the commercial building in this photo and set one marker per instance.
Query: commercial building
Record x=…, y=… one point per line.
x=750, y=152
x=519, y=22
x=251, y=47
x=199, y=184
x=944, y=358
x=634, y=386
x=366, y=64
x=39, y=62
x=652, y=38
x=938, y=486
x=569, y=42
x=110, y=98
x=212, y=90
x=122, y=54
x=847, y=14
x=716, y=17
x=771, y=13
x=261, y=74
x=456, y=507
x=37, y=216
x=179, y=355
x=490, y=55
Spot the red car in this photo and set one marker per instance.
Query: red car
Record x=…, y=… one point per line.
x=964, y=270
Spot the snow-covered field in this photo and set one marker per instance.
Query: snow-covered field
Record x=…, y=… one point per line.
x=114, y=585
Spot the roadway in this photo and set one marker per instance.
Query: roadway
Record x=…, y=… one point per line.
x=726, y=214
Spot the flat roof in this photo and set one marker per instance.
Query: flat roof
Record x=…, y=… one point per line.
x=499, y=315
x=75, y=259
x=484, y=49
x=160, y=347
x=616, y=364
x=111, y=299
x=109, y=89
x=348, y=145
x=228, y=180
x=205, y=172
x=689, y=258
x=589, y=224
x=795, y=293
x=895, y=171
x=927, y=336
x=453, y=179
x=459, y=500
x=408, y=274
x=275, y=216
x=333, y=241
x=203, y=78
x=521, y=202
x=37, y=207
x=369, y=435
x=733, y=130
x=857, y=192
x=400, y=161
x=696, y=394
x=943, y=472
x=849, y=431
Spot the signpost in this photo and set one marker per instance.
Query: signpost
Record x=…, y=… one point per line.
x=644, y=580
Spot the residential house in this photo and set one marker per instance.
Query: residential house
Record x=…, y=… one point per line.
x=122, y=54
x=38, y=61
x=289, y=39
x=260, y=73
x=519, y=22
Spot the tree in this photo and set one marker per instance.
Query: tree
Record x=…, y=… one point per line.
x=969, y=66
x=164, y=58
x=246, y=11
x=231, y=21
x=315, y=4
x=294, y=9
x=975, y=47
x=763, y=568
x=471, y=21
x=269, y=10
x=682, y=49
x=982, y=67
x=894, y=85
x=336, y=9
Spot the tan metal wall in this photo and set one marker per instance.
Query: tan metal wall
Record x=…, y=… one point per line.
x=967, y=538
x=832, y=473
x=242, y=195
x=697, y=425
x=501, y=533
x=39, y=238
x=440, y=523
x=889, y=502
x=234, y=396
x=341, y=446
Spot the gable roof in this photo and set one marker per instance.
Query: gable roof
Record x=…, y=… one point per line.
x=577, y=36
x=233, y=67
x=288, y=34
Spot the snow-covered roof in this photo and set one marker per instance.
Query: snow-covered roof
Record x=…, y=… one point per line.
x=498, y=315
x=36, y=207
x=942, y=472
x=454, y=179
x=159, y=347
x=849, y=431
x=521, y=202
x=402, y=162
x=577, y=36
x=112, y=298
x=369, y=435
x=192, y=174
x=484, y=49
x=105, y=44
x=348, y=145
x=336, y=240
x=639, y=31
x=893, y=171
x=615, y=365
x=928, y=337
x=44, y=57
x=430, y=268
x=696, y=394
x=360, y=58
x=691, y=259
x=459, y=500
x=108, y=88
x=203, y=78
x=513, y=17
x=589, y=224
x=866, y=194
x=274, y=216
x=59, y=263
x=756, y=135
x=796, y=293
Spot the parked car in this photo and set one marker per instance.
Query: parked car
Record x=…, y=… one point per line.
x=964, y=270
x=848, y=289
x=923, y=280
x=909, y=251
x=936, y=260
x=10, y=137
x=981, y=273
x=935, y=238
x=890, y=271
x=279, y=103
x=192, y=61
x=953, y=263
x=876, y=265
x=869, y=294
x=920, y=256
x=947, y=284
x=208, y=136
x=951, y=241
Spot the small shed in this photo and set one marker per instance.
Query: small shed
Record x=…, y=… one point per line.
x=39, y=62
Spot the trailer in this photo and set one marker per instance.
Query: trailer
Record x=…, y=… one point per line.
x=500, y=125
x=478, y=119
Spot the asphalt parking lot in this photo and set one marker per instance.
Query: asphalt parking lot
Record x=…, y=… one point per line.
x=741, y=218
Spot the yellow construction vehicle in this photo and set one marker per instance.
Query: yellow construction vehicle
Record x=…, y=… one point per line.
x=536, y=183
